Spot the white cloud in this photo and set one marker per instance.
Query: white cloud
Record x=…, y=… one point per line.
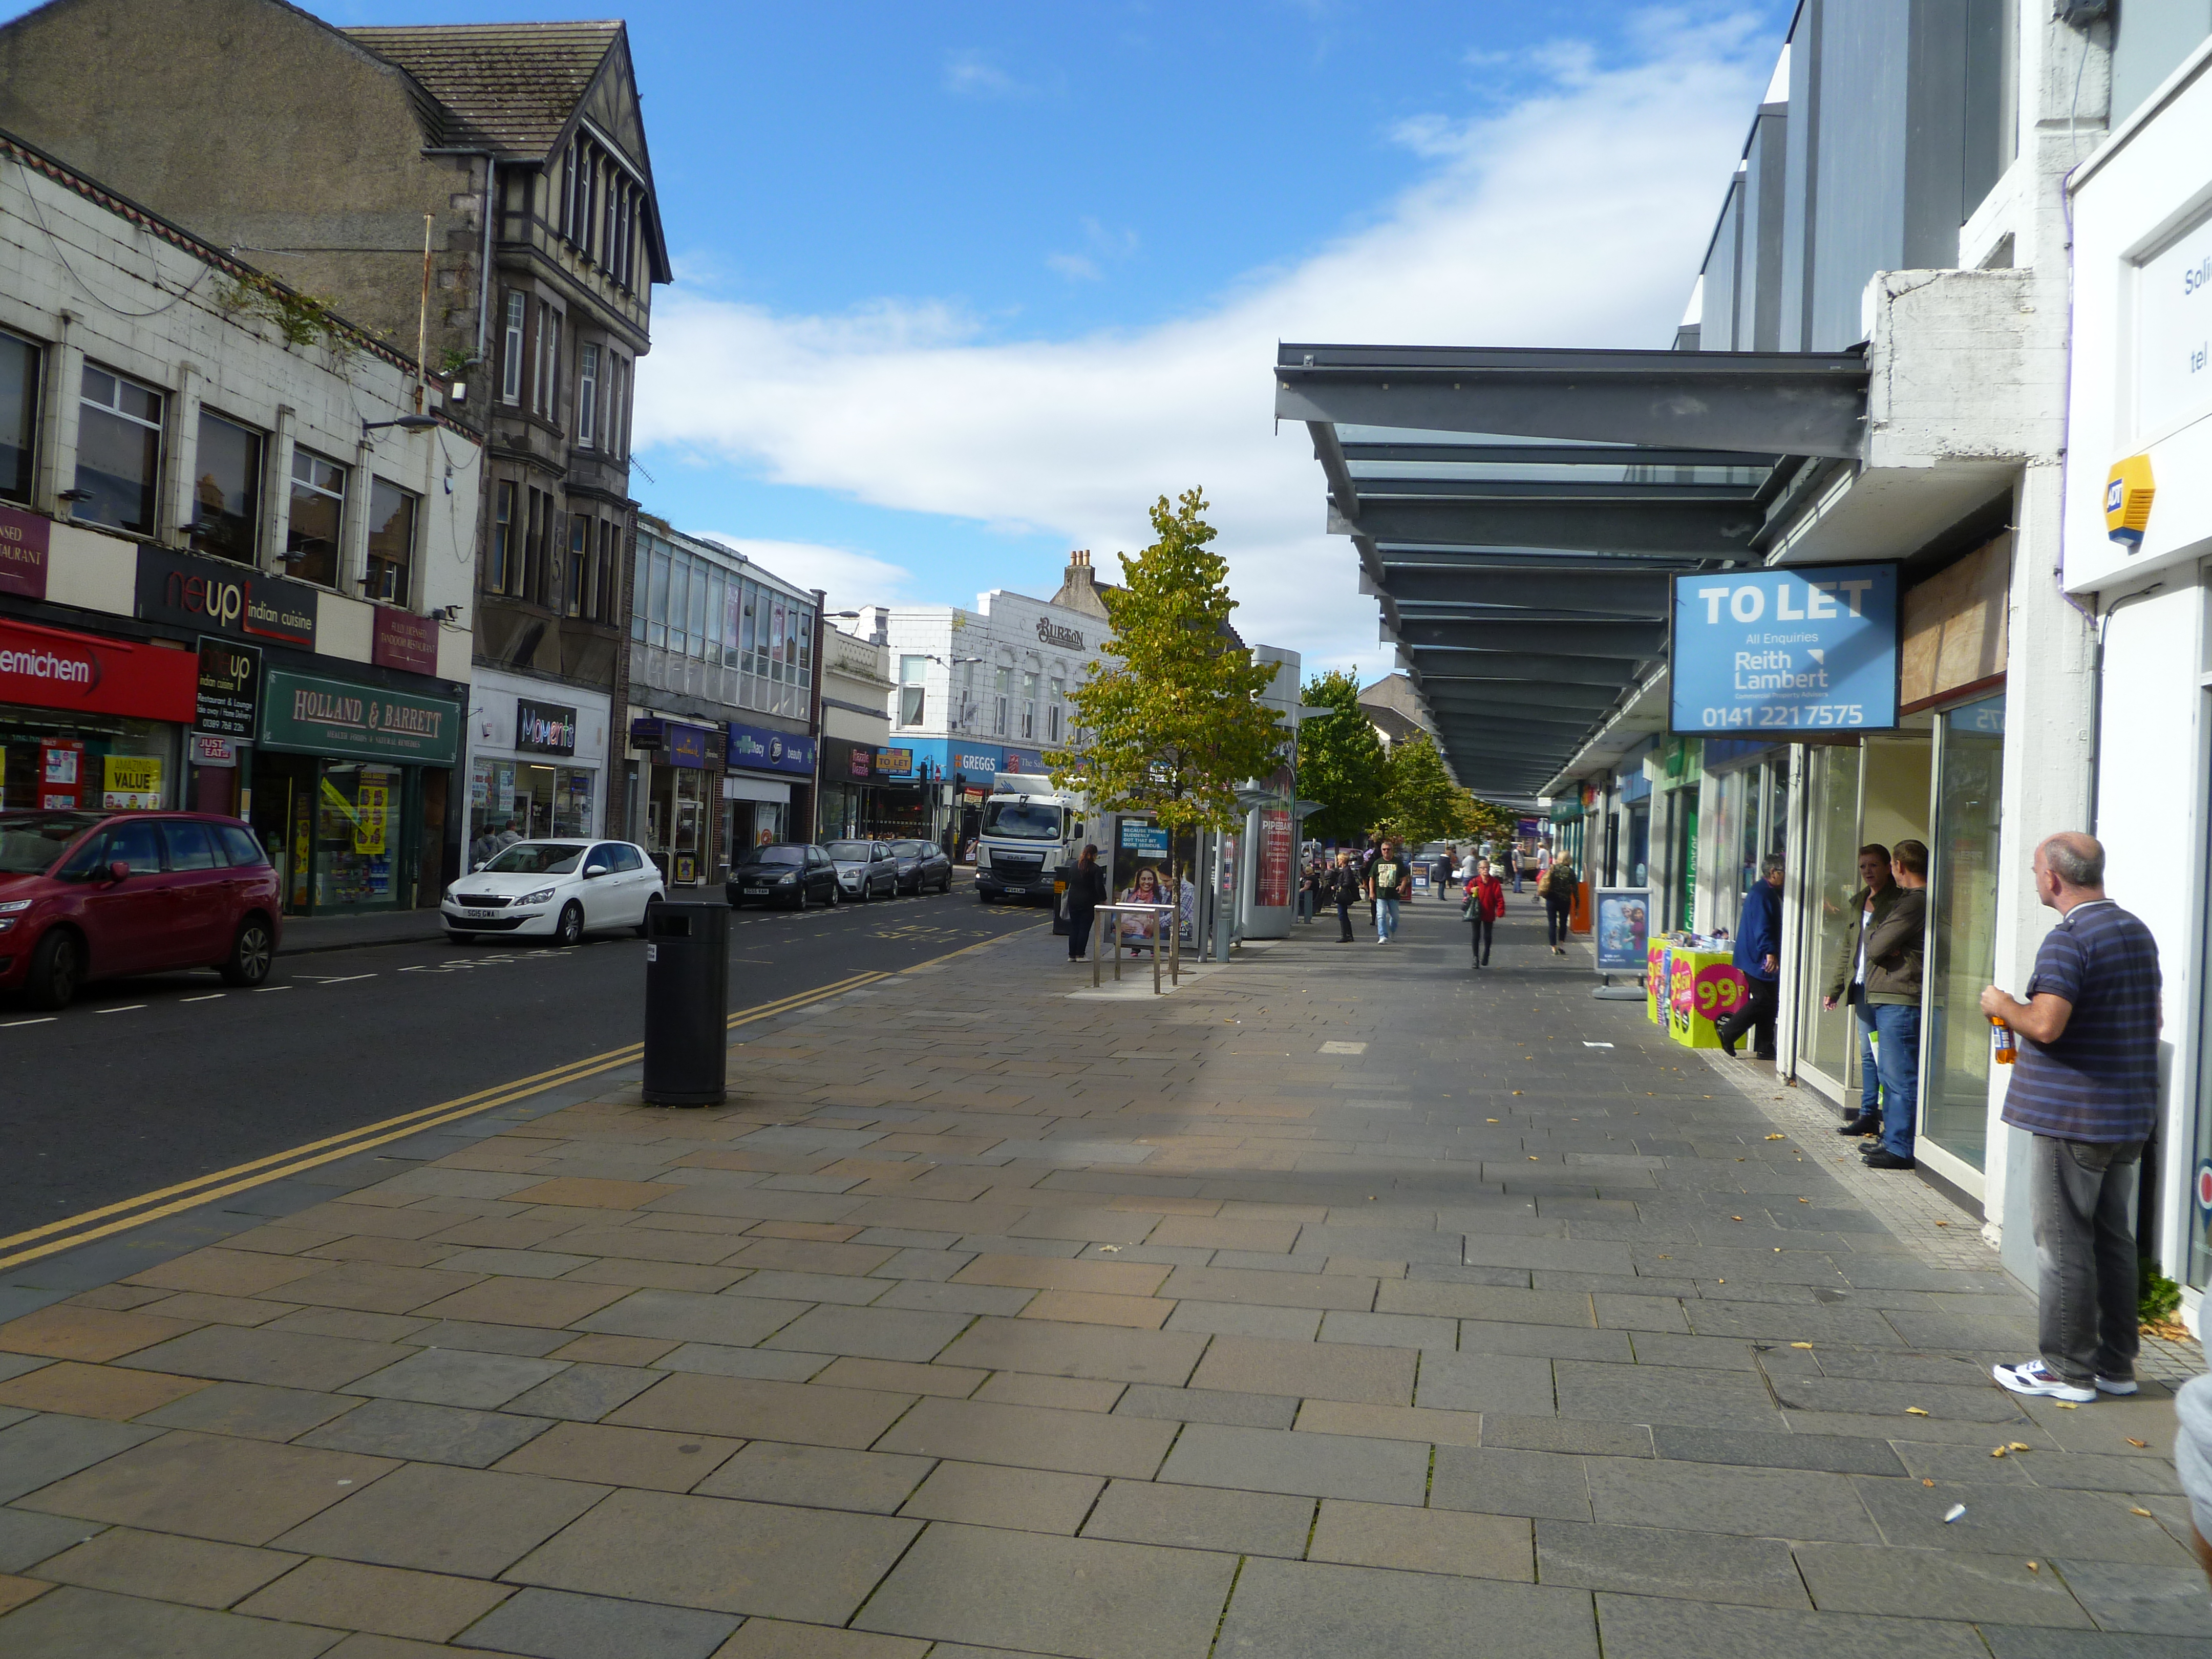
x=1101, y=246
x=1574, y=218
x=971, y=74
x=847, y=578
x=1076, y=267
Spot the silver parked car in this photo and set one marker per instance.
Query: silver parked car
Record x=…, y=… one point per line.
x=866, y=869
x=922, y=866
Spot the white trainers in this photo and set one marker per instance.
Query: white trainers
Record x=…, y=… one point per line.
x=2033, y=1376
x=2116, y=1385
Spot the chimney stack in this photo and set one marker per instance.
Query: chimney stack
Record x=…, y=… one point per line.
x=1078, y=588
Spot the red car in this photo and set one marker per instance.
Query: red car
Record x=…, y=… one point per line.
x=87, y=895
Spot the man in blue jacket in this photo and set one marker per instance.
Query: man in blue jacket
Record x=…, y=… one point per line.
x=1758, y=955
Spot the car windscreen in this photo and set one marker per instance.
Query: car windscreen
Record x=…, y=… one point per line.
x=31, y=841
x=1021, y=820
x=536, y=857
x=776, y=855
x=850, y=852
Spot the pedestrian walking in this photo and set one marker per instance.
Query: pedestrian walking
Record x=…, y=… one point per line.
x=1385, y=884
x=1344, y=889
x=1558, y=890
x=1486, y=903
x=1513, y=863
x=1367, y=857
x=1308, y=889
x=1451, y=866
x=1087, y=891
x=2085, y=1085
x=1877, y=971
x=1758, y=958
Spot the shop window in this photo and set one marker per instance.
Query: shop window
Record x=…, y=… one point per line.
x=226, y=489
x=1029, y=705
x=392, y=514
x=1830, y=877
x=18, y=415
x=118, y=453
x=313, y=538
x=1962, y=922
x=357, y=818
x=587, y=396
x=501, y=573
x=510, y=383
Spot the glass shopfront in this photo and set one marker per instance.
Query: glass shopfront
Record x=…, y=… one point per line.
x=1962, y=927
x=349, y=793
x=1826, y=1040
x=527, y=799
x=53, y=758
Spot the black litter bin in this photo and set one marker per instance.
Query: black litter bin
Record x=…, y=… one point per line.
x=687, y=1004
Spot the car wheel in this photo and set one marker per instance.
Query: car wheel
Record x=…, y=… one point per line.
x=645, y=927
x=800, y=904
x=833, y=896
x=57, y=970
x=251, y=954
x=570, y=930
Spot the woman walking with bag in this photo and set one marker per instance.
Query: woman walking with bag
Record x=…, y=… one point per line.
x=1087, y=891
x=1558, y=887
x=1486, y=903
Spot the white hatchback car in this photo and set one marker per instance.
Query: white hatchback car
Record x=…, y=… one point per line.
x=554, y=889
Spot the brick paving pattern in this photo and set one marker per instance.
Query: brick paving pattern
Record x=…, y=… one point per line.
x=1346, y=1302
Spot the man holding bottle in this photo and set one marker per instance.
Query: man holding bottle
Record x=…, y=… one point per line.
x=2085, y=1085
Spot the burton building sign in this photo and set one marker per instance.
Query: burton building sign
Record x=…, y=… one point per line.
x=1771, y=652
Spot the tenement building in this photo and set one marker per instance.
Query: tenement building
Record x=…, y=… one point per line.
x=230, y=553
x=482, y=189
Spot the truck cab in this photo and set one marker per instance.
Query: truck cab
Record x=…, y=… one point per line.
x=1032, y=833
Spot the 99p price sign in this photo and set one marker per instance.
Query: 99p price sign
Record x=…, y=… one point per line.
x=1783, y=653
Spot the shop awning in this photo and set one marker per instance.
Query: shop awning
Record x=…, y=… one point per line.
x=1518, y=513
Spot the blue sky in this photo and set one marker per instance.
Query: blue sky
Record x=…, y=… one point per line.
x=964, y=286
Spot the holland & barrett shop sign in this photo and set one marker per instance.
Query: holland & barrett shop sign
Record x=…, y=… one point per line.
x=1778, y=653
x=365, y=722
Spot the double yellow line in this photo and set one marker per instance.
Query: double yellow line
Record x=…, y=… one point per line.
x=82, y=1229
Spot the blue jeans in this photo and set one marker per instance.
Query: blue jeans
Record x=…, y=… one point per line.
x=1898, y=1077
x=1386, y=917
x=1869, y=1074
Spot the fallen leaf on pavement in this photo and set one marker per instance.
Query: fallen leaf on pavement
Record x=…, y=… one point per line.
x=2132, y=1441
x=1801, y=1344
x=1777, y=1137
x=2145, y=1513
x=1926, y=1482
x=2019, y=1445
x=1914, y=1411
x=1996, y=1451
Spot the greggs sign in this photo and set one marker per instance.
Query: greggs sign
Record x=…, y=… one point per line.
x=52, y=668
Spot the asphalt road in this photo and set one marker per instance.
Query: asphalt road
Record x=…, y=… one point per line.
x=144, y=1083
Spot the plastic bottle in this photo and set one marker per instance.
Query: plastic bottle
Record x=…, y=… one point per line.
x=2002, y=1050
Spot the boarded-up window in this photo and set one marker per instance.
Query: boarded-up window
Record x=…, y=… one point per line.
x=1955, y=625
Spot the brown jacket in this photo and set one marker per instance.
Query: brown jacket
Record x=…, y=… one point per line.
x=1895, y=944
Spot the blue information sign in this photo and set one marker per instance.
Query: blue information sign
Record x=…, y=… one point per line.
x=1765, y=653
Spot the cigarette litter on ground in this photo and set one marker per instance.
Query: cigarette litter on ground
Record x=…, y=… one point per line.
x=1954, y=1513
x=2132, y=1441
x=1801, y=1344
x=2068, y=1404
x=2145, y=1513
x=1914, y=1411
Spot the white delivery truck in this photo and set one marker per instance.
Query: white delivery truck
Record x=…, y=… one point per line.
x=1032, y=834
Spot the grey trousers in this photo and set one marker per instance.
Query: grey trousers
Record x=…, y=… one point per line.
x=2081, y=1200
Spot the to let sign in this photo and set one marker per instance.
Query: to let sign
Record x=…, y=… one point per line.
x=1784, y=654
x=24, y=541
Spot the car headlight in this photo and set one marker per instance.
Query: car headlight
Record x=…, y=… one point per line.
x=543, y=896
x=16, y=907
x=785, y=881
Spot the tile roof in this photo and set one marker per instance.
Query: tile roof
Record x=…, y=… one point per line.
x=505, y=87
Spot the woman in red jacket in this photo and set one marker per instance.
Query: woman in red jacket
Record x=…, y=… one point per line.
x=1486, y=903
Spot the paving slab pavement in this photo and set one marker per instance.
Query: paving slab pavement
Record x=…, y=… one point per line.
x=1346, y=1302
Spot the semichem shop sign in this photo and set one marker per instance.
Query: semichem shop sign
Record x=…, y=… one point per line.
x=1783, y=653
x=307, y=715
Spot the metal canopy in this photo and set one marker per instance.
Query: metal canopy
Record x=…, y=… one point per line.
x=1517, y=513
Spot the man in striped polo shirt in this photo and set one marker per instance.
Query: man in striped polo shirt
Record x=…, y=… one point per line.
x=2086, y=1086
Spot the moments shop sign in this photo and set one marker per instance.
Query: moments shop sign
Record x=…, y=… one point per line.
x=362, y=722
x=1784, y=653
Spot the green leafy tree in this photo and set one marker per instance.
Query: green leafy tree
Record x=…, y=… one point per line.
x=1420, y=802
x=1176, y=725
x=1341, y=761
